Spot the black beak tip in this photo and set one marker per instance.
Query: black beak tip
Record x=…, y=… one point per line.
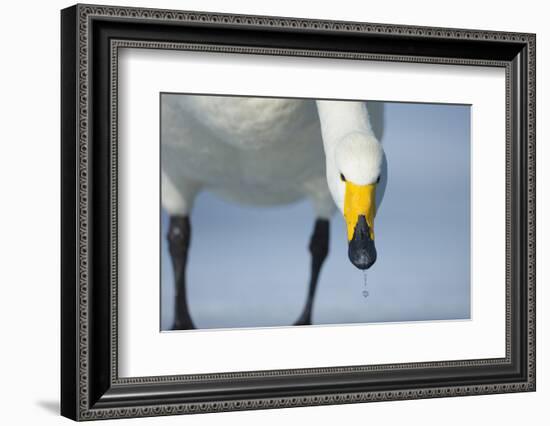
x=362, y=257
x=361, y=249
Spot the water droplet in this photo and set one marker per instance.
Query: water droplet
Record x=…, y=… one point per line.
x=365, y=291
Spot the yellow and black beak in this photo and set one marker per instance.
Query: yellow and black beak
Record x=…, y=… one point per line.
x=359, y=212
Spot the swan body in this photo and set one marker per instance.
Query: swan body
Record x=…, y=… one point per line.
x=256, y=151
x=267, y=151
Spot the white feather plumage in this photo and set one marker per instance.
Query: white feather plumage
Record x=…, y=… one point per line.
x=264, y=151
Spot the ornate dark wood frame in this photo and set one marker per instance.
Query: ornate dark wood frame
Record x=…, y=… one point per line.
x=91, y=37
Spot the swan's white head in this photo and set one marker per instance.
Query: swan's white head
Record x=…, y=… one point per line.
x=353, y=174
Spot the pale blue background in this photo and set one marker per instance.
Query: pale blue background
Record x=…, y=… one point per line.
x=249, y=267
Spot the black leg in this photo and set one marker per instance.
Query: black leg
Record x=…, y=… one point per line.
x=318, y=247
x=178, y=237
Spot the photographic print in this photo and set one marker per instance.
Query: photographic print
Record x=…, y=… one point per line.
x=292, y=212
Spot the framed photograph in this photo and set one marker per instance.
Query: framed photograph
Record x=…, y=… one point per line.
x=263, y=212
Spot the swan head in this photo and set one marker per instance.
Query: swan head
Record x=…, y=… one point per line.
x=353, y=178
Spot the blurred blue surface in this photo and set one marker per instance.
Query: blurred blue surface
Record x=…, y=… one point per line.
x=422, y=237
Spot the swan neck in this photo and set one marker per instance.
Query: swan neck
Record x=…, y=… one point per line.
x=340, y=118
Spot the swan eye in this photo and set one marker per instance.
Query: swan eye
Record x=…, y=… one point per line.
x=342, y=177
x=378, y=180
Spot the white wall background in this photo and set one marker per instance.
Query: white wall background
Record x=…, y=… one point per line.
x=29, y=225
